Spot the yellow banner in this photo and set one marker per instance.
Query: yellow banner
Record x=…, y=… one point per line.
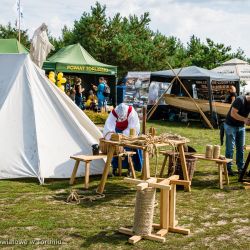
x=87, y=68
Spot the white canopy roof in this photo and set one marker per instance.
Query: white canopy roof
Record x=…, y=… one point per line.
x=40, y=127
x=138, y=74
x=234, y=61
x=238, y=67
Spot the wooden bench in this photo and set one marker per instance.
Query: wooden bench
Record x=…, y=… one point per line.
x=88, y=158
x=222, y=167
x=221, y=163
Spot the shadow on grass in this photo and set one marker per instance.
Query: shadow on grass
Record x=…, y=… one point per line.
x=22, y=180
x=113, y=191
x=109, y=237
x=55, y=184
x=199, y=182
x=52, y=184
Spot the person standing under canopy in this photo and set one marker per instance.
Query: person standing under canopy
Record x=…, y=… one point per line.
x=78, y=92
x=234, y=126
x=100, y=96
x=121, y=120
x=231, y=94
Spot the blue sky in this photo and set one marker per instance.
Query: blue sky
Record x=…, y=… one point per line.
x=224, y=21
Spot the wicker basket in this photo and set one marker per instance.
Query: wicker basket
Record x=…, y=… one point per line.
x=190, y=162
x=104, y=147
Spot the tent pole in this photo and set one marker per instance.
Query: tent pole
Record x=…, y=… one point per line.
x=210, y=96
x=197, y=106
x=144, y=119
x=116, y=81
x=19, y=20
x=211, y=99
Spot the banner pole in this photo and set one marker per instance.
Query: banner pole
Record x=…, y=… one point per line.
x=19, y=20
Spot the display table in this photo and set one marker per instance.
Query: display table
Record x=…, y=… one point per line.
x=146, y=166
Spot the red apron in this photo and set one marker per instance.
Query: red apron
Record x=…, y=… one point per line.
x=124, y=124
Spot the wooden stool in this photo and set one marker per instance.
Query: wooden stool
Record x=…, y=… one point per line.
x=222, y=167
x=130, y=162
x=87, y=159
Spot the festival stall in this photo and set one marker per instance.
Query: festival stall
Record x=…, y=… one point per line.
x=203, y=85
x=137, y=86
x=74, y=60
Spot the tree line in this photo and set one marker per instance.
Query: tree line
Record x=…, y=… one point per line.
x=130, y=44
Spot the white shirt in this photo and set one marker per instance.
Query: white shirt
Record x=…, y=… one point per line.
x=110, y=124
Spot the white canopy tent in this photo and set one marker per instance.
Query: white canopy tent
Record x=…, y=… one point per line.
x=40, y=127
x=237, y=67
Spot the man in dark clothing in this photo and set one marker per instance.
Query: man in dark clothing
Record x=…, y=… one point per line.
x=234, y=126
x=231, y=94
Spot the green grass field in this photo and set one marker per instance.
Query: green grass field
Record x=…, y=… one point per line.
x=39, y=218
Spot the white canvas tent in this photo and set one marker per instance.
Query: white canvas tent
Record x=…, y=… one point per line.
x=237, y=67
x=40, y=127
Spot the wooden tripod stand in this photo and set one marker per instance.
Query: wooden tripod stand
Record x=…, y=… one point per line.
x=167, y=208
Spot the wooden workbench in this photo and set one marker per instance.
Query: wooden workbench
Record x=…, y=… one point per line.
x=146, y=166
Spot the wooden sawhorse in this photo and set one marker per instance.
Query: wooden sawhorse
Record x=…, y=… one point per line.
x=168, y=223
